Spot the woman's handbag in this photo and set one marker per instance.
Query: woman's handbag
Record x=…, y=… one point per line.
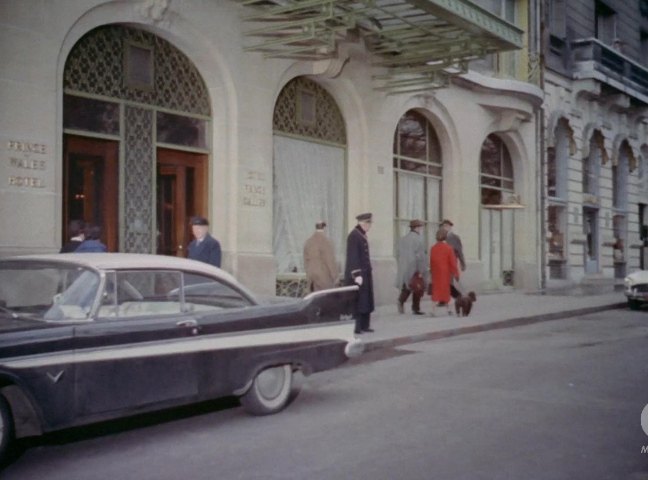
x=417, y=284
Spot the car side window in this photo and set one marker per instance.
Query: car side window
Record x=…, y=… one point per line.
x=130, y=293
x=202, y=293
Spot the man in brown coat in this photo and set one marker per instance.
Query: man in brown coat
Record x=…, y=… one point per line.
x=319, y=260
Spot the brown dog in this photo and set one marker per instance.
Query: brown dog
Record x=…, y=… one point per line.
x=463, y=304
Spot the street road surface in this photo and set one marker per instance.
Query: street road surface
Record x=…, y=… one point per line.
x=556, y=400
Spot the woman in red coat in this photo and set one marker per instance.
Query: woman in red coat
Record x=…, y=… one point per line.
x=443, y=267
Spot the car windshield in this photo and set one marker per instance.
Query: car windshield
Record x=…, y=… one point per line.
x=47, y=292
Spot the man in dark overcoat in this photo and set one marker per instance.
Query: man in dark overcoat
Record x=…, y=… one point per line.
x=204, y=247
x=358, y=272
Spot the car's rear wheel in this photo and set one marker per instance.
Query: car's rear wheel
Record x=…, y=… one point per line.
x=270, y=391
x=6, y=429
x=634, y=304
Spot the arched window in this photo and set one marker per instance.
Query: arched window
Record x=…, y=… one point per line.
x=497, y=224
x=556, y=226
x=417, y=174
x=309, y=174
x=592, y=165
x=620, y=174
x=496, y=172
x=643, y=171
x=557, y=161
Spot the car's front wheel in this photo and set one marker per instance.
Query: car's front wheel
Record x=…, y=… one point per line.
x=270, y=391
x=634, y=304
x=6, y=429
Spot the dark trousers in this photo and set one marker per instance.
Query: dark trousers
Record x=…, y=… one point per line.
x=454, y=293
x=362, y=321
x=416, y=298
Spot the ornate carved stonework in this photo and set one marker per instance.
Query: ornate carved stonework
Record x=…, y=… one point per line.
x=153, y=11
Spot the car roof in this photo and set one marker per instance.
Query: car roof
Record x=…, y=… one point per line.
x=128, y=261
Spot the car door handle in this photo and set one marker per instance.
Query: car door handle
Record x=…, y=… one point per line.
x=190, y=323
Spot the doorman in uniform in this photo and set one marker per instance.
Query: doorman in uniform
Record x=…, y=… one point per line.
x=358, y=272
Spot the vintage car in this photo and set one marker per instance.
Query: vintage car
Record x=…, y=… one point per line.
x=89, y=337
x=635, y=288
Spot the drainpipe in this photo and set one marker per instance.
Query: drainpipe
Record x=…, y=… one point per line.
x=540, y=131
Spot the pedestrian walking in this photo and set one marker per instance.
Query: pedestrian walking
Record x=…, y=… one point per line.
x=75, y=232
x=358, y=272
x=203, y=247
x=92, y=240
x=319, y=260
x=455, y=242
x=412, y=268
x=443, y=267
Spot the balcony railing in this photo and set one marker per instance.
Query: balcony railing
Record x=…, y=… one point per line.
x=593, y=59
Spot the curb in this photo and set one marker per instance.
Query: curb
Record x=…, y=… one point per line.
x=370, y=346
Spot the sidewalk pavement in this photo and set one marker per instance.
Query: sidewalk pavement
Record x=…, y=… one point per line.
x=491, y=311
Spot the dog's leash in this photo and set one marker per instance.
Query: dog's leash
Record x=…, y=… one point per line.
x=459, y=286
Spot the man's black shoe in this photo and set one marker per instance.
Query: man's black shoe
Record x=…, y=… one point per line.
x=357, y=332
x=417, y=312
x=369, y=330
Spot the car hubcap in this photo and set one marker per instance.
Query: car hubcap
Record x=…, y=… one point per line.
x=271, y=381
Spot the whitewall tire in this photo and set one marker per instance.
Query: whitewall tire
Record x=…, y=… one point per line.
x=270, y=391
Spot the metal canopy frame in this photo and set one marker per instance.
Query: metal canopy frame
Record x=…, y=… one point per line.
x=417, y=44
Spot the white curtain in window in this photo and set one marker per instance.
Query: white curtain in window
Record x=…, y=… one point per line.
x=308, y=187
x=411, y=196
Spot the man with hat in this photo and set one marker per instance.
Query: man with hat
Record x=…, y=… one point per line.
x=319, y=260
x=358, y=272
x=203, y=247
x=455, y=242
x=412, y=267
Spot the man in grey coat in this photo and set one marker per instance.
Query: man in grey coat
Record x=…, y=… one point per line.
x=412, y=260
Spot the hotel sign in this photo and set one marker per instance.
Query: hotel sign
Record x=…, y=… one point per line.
x=26, y=163
x=254, y=188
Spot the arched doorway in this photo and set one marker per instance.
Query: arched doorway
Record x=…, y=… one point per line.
x=136, y=116
x=497, y=223
x=309, y=171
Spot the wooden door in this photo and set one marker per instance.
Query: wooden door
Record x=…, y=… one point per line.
x=181, y=194
x=90, y=186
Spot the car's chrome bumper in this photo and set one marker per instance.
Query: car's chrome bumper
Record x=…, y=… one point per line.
x=634, y=293
x=354, y=348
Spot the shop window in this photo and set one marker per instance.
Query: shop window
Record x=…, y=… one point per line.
x=556, y=237
x=417, y=175
x=556, y=252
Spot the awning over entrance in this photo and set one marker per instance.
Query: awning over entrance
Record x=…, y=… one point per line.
x=418, y=44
